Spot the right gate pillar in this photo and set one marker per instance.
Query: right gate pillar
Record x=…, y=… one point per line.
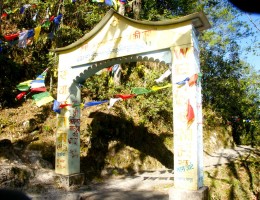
x=187, y=122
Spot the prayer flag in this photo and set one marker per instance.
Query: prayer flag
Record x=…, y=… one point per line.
x=46, y=24
x=37, y=31
x=183, y=82
x=57, y=19
x=140, y=90
x=94, y=103
x=22, y=39
x=81, y=105
x=56, y=106
x=163, y=76
x=8, y=11
x=109, y=2
x=20, y=95
x=190, y=113
x=35, y=16
x=124, y=96
x=63, y=105
x=42, y=98
x=4, y=15
x=37, y=83
x=112, y=101
x=11, y=37
x=193, y=79
x=24, y=86
x=199, y=78
x=30, y=33
x=155, y=88
x=39, y=89
x=52, y=18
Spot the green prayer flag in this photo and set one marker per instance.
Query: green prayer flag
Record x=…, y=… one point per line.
x=42, y=98
x=140, y=90
x=24, y=86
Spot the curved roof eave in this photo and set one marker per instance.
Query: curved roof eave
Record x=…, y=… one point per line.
x=199, y=21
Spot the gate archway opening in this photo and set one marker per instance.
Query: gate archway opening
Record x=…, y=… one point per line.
x=117, y=39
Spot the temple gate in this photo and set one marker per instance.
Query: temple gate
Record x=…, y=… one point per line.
x=117, y=39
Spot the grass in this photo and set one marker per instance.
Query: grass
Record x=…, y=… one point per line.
x=238, y=180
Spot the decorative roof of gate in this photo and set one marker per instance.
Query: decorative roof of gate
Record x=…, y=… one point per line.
x=198, y=20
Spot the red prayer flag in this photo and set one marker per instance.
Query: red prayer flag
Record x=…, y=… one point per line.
x=190, y=113
x=193, y=79
x=20, y=95
x=64, y=105
x=4, y=15
x=40, y=89
x=52, y=18
x=124, y=96
x=11, y=36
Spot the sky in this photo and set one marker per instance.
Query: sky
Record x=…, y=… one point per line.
x=254, y=60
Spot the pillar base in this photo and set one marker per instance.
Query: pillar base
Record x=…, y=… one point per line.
x=200, y=194
x=70, y=182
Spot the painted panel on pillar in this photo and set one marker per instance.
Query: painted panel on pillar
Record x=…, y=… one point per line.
x=186, y=135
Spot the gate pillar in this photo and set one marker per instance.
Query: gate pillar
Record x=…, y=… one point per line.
x=188, y=141
x=67, y=158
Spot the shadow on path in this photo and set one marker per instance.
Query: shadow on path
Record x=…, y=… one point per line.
x=106, y=128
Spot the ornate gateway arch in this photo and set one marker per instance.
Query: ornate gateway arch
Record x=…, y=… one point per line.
x=117, y=39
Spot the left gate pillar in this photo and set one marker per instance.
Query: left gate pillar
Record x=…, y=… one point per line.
x=67, y=156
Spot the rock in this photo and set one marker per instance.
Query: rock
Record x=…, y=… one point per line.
x=14, y=176
x=5, y=143
x=36, y=160
x=30, y=125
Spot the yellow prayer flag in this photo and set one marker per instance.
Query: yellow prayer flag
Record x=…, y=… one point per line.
x=43, y=101
x=155, y=88
x=37, y=31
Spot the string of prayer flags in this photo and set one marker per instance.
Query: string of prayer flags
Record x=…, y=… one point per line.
x=193, y=80
x=94, y=103
x=190, y=113
x=124, y=96
x=155, y=88
x=183, y=82
x=37, y=85
x=112, y=101
x=140, y=90
x=42, y=98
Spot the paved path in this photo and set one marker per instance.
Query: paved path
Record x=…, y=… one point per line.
x=152, y=185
